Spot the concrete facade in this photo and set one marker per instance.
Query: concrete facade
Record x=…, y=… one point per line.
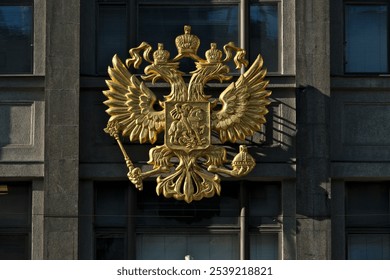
x=324, y=129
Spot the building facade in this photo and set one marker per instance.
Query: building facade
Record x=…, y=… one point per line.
x=321, y=186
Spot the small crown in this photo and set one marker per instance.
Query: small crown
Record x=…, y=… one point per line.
x=187, y=43
x=160, y=55
x=213, y=55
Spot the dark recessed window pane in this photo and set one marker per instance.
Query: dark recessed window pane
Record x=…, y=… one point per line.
x=263, y=246
x=264, y=34
x=14, y=246
x=366, y=44
x=112, y=34
x=264, y=203
x=367, y=204
x=218, y=210
x=15, y=203
x=16, y=39
x=111, y=206
x=110, y=247
x=173, y=246
x=217, y=23
x=368, y=246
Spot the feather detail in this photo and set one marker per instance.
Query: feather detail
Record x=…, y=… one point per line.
x=243, y=105
x=130, y=102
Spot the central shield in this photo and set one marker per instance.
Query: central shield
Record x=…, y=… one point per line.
x=188, y=125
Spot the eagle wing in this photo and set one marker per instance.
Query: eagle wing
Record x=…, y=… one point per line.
x=131, y=103
x=243, y=105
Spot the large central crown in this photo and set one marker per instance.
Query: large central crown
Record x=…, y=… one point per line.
x=187, y=43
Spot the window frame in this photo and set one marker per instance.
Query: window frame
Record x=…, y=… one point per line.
x=24, y=3
x=247, y=38
x=364, y=229
x=364, y=3
x=24, y=230
x=38, y=38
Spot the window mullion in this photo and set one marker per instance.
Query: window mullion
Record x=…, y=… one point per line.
x=244, y=245
x=132, y=26
x=131, y=226
x=388, y=207
x=388, y=36
x=243, y=26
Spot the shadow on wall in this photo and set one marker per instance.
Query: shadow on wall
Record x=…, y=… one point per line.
x=313, y=187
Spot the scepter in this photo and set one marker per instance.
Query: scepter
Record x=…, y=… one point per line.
x=134, y=174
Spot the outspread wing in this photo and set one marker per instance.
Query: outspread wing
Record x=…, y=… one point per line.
x=243, y=105
x=131, y=103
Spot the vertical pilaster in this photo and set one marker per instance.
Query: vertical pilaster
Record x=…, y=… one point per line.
x=37, y=220
x=313, y=82
x=61, y=129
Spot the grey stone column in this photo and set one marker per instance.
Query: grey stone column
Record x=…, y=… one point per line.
x=313, y=94
x=61, y=129
x=37, y=220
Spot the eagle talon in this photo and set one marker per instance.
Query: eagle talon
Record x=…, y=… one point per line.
x=135, y=176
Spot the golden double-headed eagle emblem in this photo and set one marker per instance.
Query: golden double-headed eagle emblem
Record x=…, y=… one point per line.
x=188, y=163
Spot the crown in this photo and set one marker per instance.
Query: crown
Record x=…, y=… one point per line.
x=213, y=55
x=187, y=43
x=160, y=55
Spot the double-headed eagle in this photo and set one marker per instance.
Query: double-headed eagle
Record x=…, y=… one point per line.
x=188, y=163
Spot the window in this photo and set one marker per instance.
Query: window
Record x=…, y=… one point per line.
x=122, y=25
x=110, y=221
x=368, y=220
x=160, y=228
x=15, y=221
x=366, y=38
x=264, y=34
x=16, y=21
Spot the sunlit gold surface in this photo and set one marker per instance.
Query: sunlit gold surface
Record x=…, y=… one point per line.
x=188, y=163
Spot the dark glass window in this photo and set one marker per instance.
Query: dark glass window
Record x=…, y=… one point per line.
x=14, y=246
x=15, y=220
x=369, y=246
x=366, y=38
x=110, y=206
x=121, y=25
x=161, y=228
x=111, y=34
x=111, y=220
x=218, y=22
x=263, y=246
x=264, y=205
x=201, y=246
x=16, y=22
x=218, y=210
x=110, y=246
x=264, y=34
x=368, y=220
x=368, y=204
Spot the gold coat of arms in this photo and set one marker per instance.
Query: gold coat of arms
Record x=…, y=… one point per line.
x=188, y=163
